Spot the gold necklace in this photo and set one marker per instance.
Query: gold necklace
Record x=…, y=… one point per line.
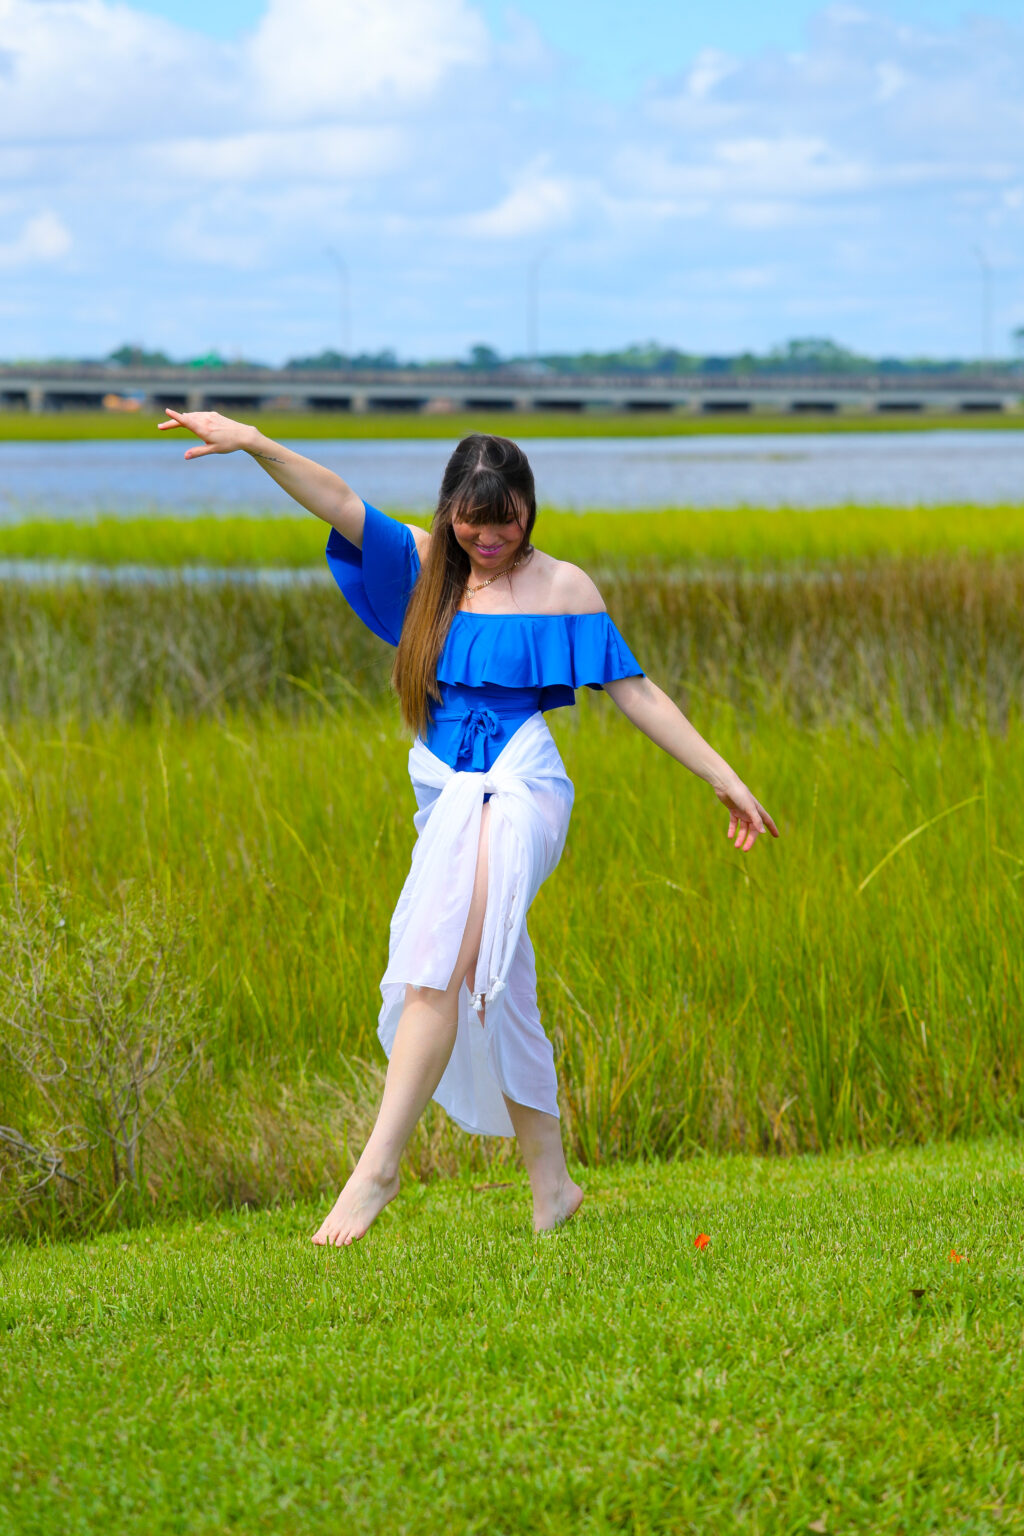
x=472, y=591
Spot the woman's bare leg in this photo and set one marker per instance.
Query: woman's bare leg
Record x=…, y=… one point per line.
x=422, y=1048
x=555, y=1196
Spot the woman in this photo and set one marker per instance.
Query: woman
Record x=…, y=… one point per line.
x=490, y=633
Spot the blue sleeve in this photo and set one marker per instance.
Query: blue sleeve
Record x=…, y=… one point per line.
x=600, y=655
x=377, y=580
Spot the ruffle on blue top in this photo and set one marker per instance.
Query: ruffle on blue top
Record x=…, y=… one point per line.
x=553, y=653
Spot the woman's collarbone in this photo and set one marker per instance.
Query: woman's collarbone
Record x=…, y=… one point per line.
x=534, y=597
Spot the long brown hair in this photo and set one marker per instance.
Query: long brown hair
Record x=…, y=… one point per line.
x=486, y=480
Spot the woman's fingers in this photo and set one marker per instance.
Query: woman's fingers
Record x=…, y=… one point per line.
x=742, y=825
x=218, y=433
x=748, y=820
x=192, y=422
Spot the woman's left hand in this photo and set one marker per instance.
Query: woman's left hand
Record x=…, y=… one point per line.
x=747, y=816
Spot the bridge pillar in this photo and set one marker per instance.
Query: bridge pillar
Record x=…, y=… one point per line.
x=360, y=403
x=36, y=398
x=194, y=399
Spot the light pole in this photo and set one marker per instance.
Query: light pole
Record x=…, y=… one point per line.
x=346, y=304
x=986, y=304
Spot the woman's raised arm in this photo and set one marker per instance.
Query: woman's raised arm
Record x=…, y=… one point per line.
x=319, y=490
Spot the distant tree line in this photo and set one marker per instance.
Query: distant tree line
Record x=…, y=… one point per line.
x=804, y=355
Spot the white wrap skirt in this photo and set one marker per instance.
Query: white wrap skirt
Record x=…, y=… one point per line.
x=500, y=1046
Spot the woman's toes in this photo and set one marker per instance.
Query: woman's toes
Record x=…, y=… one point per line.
x=356, y=1209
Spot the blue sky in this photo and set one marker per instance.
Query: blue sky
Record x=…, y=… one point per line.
x=615, y=47
x=195, y=176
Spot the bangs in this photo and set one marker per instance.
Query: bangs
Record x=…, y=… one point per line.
x=487, y=499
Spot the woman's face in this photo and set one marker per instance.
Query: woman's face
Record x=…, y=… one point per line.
x=490, y=545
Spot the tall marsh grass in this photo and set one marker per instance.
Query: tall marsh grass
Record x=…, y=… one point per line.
x=856, y=983
x=222, y=766
x=916, y=642
x=749, y=537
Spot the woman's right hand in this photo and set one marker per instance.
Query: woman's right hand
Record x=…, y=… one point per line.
x=748, y=818
x=219, y=433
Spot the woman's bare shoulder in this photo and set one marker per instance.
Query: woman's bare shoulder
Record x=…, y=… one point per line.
x=572, y=590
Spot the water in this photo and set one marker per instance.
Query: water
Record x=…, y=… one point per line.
x=45, y=573
x=75, y=480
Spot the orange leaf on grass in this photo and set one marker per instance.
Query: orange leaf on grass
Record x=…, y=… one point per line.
x=701, y=1240
x=957, y=1258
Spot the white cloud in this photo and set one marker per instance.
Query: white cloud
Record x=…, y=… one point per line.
x=537, y=203
x=328, y=153
x=745, y=168
x=709, y=69
x=757, y=214
x=84, y=68
x=131, y=114
x=401, y=133
x=847, y=15
x=749, y=278
x=890, y=80
x=871, y=110
x=204, y=236
x=523, y=46
x=42, y=238
x=309, y=57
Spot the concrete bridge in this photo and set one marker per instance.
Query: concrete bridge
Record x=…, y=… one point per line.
x=232, y=389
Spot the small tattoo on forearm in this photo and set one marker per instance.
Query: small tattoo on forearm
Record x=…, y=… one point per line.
x=268, y=456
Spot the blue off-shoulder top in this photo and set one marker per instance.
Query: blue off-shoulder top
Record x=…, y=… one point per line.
x=495, y=669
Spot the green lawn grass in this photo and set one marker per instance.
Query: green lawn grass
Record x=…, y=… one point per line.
x=752, y=537
x=72, y=426
x=821, y=1365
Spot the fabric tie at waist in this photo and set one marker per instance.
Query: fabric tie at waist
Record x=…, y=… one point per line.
x=477, y=725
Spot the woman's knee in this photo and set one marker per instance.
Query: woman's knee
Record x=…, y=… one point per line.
x=440, y=1003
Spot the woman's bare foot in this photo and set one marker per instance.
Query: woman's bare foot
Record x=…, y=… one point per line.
x=556, y=1210
x=356, y=1208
